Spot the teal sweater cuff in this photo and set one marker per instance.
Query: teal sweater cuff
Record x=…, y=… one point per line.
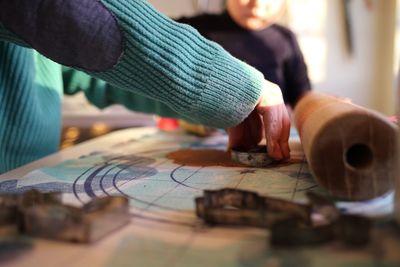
x=230, y=93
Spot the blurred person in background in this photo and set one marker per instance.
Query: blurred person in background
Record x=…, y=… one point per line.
x=248, y=30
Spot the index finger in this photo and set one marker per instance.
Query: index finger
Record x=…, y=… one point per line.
x=277, y=131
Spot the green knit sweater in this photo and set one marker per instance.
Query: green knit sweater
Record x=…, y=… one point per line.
x=165, y=68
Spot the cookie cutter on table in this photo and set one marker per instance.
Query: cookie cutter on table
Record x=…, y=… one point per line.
x=245, y=208
x=44, y=215
x=12, y=208
x=353, y=230
x=255, y=157
x=290, y=223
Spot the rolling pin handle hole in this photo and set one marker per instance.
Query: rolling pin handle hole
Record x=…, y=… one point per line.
x=359, y=156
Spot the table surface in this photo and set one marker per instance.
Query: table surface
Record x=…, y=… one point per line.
x=164, y=230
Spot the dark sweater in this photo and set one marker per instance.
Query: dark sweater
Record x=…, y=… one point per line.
x=274, y=51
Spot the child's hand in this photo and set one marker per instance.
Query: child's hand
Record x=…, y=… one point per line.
x=269, y=115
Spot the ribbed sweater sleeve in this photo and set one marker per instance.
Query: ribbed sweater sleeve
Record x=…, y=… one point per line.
x=172, y=63
x=102, y=94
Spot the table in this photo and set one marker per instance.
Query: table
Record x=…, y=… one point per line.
x=164, y=230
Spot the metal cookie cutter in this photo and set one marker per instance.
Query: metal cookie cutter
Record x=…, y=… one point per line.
x=288, y=233
x=12, y=208
x=44, y=215
x=255, y=157
x=245, y=208
x=352, y=230
x=93, y=221
x=8, y=216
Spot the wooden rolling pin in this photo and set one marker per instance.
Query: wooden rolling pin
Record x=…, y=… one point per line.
x=351, y=151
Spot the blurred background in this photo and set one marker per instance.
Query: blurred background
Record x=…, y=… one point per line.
x=352, y=49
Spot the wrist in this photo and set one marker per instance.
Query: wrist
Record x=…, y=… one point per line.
x=271, y=95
